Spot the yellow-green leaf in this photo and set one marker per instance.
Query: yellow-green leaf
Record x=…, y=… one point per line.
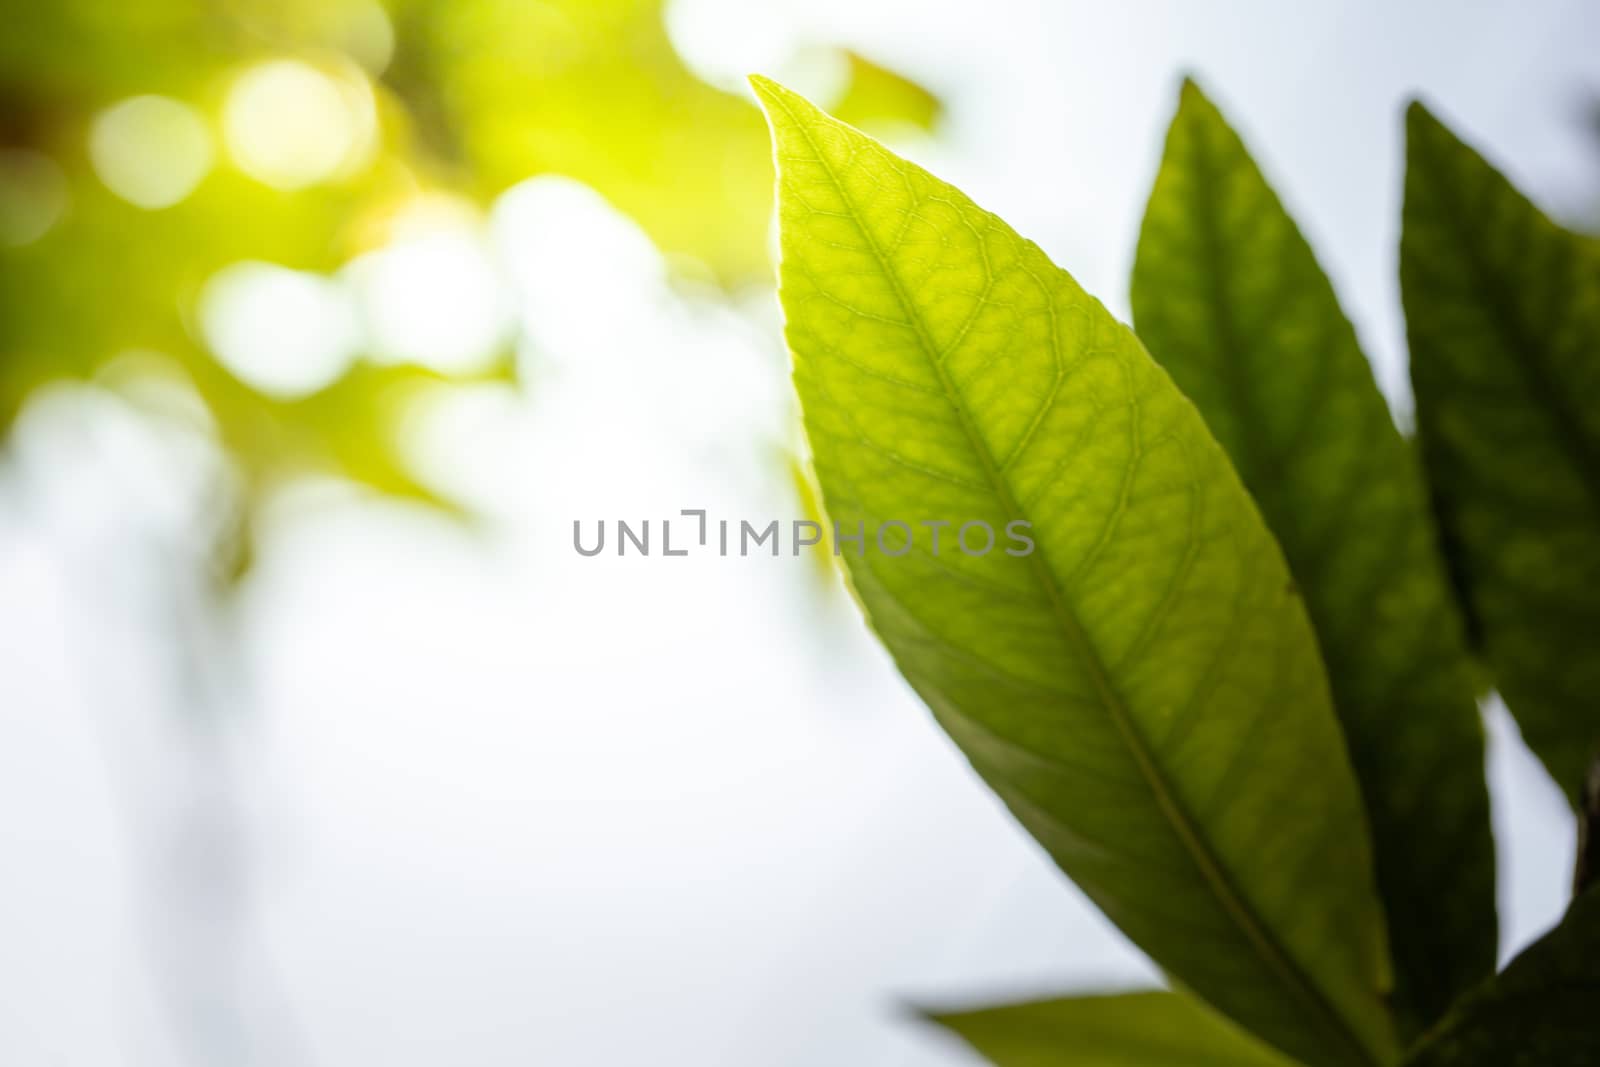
x=1229, y=298
x=1503, y=315
x=877, y=96
x=1143, y=689
x=1147, y=1029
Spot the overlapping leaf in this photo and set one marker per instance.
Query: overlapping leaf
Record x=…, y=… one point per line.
x=1230, y=300
x=1144, y=689
x=1539, y=1012
x=1150, y=1029
x=1503, y=316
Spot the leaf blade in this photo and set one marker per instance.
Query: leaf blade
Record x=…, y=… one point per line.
x=1145, y=1029
x=1231, y=301
x=987, y=375
x=1503, y=319
x=1537, y=1012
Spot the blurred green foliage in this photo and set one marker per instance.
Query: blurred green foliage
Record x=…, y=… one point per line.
x=464, y=98
x=876, y=96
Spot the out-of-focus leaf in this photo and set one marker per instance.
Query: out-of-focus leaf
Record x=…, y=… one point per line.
x=1143, y=690
x=108, y=277
x=809, y=497
x=480, y=94
x=1503, y=316
x=592, y=89
x=877, y=96
x=1539, y=1012
x=348, y=429
x=78, y=50
x=1229, y=298
x=111, y=277
x=1149, y=1029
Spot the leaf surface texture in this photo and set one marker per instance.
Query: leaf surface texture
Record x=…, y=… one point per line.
x=1143, y=690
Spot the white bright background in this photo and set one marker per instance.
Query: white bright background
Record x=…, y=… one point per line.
x=468, y=798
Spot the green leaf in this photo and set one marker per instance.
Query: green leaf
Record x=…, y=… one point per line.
x=1503, y=315
x=1143, y=690
x=1540, y=1012
x=1587, y=869
x=1229, y=298
x=1151, y=1029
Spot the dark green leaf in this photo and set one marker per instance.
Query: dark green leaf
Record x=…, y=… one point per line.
x=1231, y=301
x=1503, y=314
x=1541, y=1012
x=1587, y=869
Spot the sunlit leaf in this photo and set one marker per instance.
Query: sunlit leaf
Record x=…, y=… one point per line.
x=1540, y=1012
x=1503, y=316
x=1151, y=1029
x=1231, y=301
x=1143, y=690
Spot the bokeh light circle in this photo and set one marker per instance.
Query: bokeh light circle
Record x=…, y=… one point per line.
x=290, y=124
x=150, y=150
x=286, y=333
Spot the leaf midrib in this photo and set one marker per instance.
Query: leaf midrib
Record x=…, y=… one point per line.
x=1234, y=905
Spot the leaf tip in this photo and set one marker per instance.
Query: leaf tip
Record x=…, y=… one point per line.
x=1192, y=100
x=769, y=92
x=786, y=110
x=1420, y=122
x=1428, y=139
x=914, y=1012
